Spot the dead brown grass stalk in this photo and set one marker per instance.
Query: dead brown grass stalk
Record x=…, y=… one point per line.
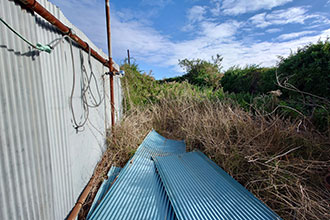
x=281, y=165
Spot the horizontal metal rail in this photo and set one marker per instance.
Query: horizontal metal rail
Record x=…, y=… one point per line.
x=39, y=9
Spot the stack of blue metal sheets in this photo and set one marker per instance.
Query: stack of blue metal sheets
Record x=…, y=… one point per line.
x=112, y=175
x=161, y=181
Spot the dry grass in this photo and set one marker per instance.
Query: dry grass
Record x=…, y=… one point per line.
x=122, y=143
x=281, y=162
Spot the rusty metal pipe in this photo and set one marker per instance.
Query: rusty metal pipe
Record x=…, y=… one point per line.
x=75, y=211
x=39, y=9
x=112, y=95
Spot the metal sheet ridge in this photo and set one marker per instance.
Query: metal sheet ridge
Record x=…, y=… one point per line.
x=138, y=192
x=112, y=174
x=199, y=189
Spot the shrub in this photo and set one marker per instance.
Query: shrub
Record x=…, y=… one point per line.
x=250, y=79
x=267, y=80
x=141, y=89
x=202, y=73
x=308, y=69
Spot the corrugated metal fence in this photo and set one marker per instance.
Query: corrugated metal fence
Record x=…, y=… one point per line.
x=44, y=163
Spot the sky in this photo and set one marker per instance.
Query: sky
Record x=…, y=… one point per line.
x=159, y=33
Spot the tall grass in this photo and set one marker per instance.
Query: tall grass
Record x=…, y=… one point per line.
x=279, y=161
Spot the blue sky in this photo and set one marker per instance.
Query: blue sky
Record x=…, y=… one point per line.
x=159, y=33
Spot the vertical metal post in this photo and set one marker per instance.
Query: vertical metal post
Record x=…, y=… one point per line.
x=128, y=57
x=112, y=97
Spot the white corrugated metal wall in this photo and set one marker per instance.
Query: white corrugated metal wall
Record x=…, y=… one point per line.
x=44, y=163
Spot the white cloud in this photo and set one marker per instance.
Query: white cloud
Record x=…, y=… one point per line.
x=235, y=7
x=219, y=31
x=280, y=17
x=259, y=20
x=294, y=35
x=291, y=15
x=142, y=40
x=216, y=9
x=207, y=27
x=151, y=46
x=213, y=38
x=264, y=53
x=273, y=30
x=196, y=13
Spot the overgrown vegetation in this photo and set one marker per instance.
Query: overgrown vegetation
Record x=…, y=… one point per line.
x=251, y=79
x=267, y=127
x=275, y=159
x=301, y=83
x=200, y=72
x=142, y=90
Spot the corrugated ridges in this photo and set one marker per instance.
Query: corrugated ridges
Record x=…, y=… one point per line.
x=199, y=189
x=44, y=163
x=112, y=174
x=138, y=192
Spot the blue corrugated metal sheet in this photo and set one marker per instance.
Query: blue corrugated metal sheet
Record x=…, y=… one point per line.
x=112, y=174
x=199, y=189
x=138, y=192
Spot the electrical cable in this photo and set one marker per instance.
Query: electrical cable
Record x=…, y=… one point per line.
x=48, y=48
x=85, y=84
x=38, y=46
x=81, y=124
x=56, y=42
x=87, y=89
x=84, y=89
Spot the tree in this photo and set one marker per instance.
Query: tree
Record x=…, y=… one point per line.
x=203, y=73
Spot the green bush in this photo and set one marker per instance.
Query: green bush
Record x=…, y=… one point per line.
x=250, y=79
x=303, y=76
x=308, y=69
x=267, y=80
x=141, y=89
x=200, y=72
